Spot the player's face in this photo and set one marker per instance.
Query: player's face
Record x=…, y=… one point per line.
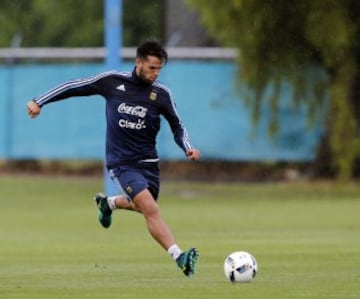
x=148, y=69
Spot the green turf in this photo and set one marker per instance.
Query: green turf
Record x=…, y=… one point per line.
x=306, y=238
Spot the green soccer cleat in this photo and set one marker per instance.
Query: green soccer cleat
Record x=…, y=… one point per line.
x=187, y=260
x=104, y=210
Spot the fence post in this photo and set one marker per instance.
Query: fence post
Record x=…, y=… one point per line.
x=113, y=44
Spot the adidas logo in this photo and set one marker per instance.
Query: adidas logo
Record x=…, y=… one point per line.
x=121, y=87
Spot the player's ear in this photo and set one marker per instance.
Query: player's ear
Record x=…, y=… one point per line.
x=138, y=62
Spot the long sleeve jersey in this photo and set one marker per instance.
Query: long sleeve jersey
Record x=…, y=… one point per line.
x=133, y=110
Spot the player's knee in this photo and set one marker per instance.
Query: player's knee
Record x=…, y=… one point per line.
x=146, y=204
x=150, y=209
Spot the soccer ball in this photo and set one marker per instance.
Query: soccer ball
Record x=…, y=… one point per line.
x=240, y=266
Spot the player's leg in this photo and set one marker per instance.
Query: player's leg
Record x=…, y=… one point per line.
x=158, y=229
x=161, y=232
x=107, y=205
x=141, y=188
x=121, y=202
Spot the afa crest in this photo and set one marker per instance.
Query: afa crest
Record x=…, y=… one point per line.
x=129, y=190
x=153, y=96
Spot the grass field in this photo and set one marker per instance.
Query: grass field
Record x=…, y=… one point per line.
x=306, y=238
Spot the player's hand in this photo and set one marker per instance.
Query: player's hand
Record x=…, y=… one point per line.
x=33, y=109
x=193, y=154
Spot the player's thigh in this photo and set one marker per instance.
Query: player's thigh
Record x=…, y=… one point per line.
x=131, y=180
x=152, y=175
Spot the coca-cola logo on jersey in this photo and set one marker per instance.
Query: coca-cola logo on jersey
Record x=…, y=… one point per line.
x=139, y=111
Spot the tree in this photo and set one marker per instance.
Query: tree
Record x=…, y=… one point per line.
x=52, y=23
x=75, y=23
x=286, y=40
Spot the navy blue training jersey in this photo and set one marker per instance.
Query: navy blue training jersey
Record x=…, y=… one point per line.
x=133, y=110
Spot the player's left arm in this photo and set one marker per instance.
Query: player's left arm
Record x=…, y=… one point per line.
x=179, y=131
x=193, y=154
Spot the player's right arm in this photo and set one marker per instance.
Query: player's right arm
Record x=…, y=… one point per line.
x=80, y=87
x=33, y=109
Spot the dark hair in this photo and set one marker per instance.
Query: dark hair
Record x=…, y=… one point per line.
x=152, y=48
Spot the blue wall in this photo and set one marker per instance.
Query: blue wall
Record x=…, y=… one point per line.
x=213, y=112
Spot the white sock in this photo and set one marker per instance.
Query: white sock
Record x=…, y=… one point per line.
x=111, y=202
x=174, y=251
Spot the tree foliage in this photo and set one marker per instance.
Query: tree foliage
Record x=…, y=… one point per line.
x=286, y=40
x=75, y=23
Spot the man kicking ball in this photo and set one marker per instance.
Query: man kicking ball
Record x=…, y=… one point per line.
x=134, y=102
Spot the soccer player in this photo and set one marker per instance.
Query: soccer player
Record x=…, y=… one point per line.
x=134, y=102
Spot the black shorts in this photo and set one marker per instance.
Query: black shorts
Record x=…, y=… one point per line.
x=134, y=178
